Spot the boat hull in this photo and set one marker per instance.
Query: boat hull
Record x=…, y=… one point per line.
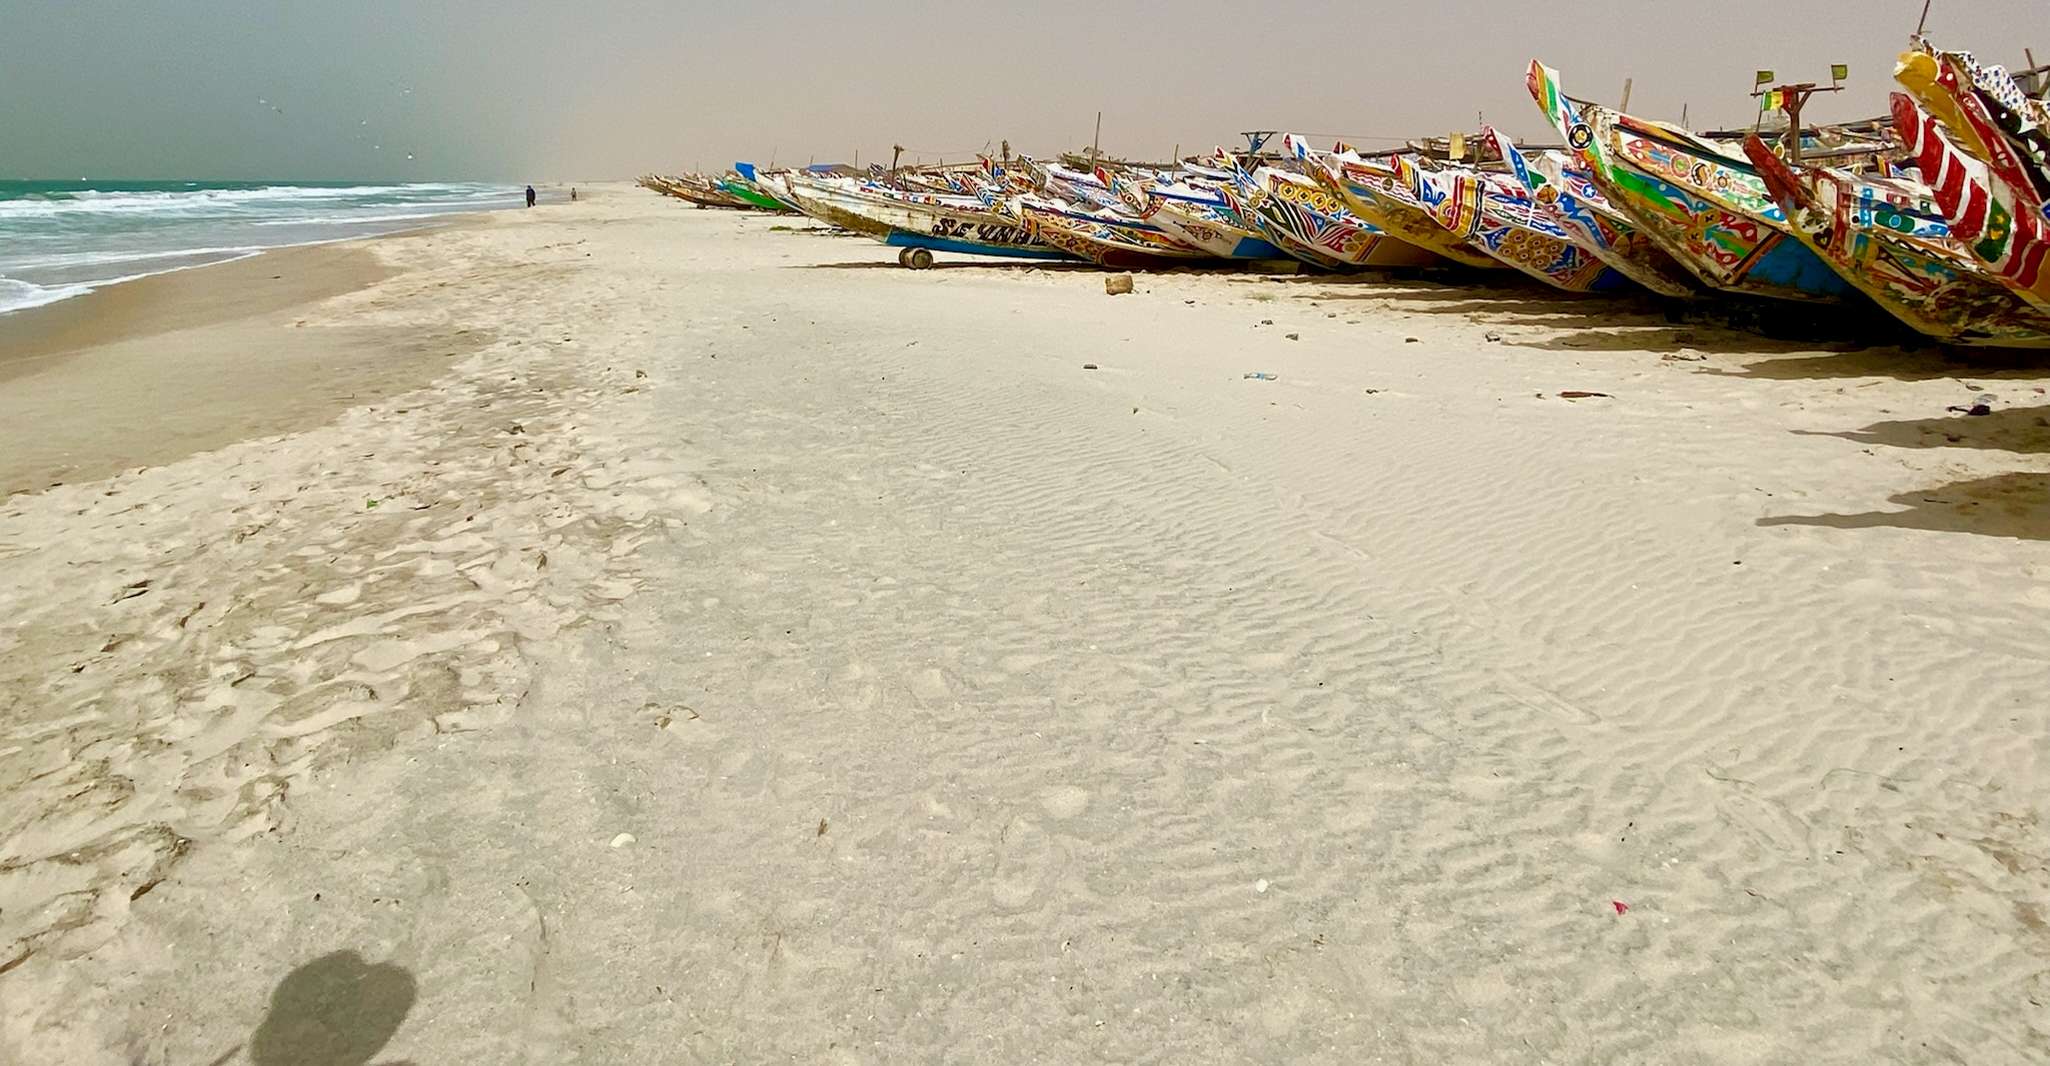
x=1884, y=240
x=1199, y=227
x=1711, y=213
x=1312, y=224
x=1489, y=212
x=1114, y=243
x=903, y=223
x=754, y=198
x=1977, y=180
x=1371, y=197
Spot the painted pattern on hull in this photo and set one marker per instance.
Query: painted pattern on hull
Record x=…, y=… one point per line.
x=1984, y=214
x=1881, y=236
x=1493, y=213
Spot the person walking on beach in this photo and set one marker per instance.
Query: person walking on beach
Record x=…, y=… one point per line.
x=530, y=196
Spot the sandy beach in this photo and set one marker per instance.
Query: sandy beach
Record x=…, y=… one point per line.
x=623, y=633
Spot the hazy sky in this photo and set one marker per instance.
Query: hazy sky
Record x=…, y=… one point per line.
x=536, y=90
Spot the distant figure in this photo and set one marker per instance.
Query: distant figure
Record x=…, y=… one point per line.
x=572, y=194
x=530, y=196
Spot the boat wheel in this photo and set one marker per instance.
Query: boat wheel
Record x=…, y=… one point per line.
x=903, y=257
x=919, y=259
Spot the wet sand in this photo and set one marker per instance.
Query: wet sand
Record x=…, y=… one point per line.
x=151, y=371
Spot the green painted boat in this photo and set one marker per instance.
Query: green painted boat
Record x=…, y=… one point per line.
x=755, y=197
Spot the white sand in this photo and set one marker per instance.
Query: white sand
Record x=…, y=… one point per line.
x=960, y=704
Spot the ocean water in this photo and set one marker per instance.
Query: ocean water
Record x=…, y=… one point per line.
x=61, y=239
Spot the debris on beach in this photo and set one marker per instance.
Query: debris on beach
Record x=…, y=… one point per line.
x=1261, y=375
x=1579, y=394
x=622, y=840
x=1117, y=284
x=1090, y=366
x=1981, y=406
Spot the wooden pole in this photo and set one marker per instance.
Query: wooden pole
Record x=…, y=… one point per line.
x=1096, y=141
x=1924, y=24
x=896, y=152
x=1795, y=100
x=1626, y=96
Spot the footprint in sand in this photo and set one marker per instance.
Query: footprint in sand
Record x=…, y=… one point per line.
x=1024, y=855
x=345, y=595
x=931, y=686
x=1760, y=817
x=854, y=688
x=1064, y=802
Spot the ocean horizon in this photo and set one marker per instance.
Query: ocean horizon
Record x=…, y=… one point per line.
x=64, y=238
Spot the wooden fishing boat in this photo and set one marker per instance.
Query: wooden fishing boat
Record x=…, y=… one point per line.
x=1197, y=213
x=693, y=189
x=1102, y=236
x=766, y=183
x=1373, y=191
x=1216, y=230
x=1976, y=172
x=1307, y=221
x=1986, y=114
x=916, y=223
x=1705, y=206
x=1885, y=237
x=740, y=189
x=1498, y=215
x=1577, y=205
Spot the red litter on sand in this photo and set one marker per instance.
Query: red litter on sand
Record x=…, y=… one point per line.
x=1621, y=907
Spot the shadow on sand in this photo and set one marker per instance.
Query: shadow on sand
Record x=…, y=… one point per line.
x=337, y=1010
x=2024, y=430
x=2007, y=505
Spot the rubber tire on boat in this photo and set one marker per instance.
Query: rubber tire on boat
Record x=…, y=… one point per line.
x=919, y=259
x=904, y=257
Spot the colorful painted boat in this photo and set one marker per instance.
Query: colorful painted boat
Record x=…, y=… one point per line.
x=1978, y=173
x=1580, y=209
x=1706, y=207
x=950, y=224
x=1103, y=236
x=1498, y=215
x=1984, y=214
x=768, y=184
x=1885, y=236
x=1986, y=114
x=1307, y=221
x=1374, y=192
x=756, y=198
x=1216, y=230
x=700, y=191
x=1199, y=215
